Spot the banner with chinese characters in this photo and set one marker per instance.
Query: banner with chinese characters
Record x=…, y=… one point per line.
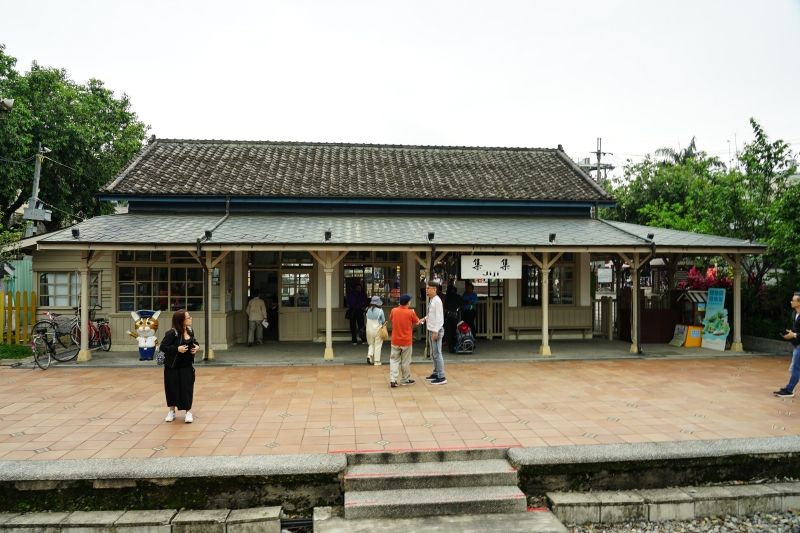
x=491, y=266
x=715, y=324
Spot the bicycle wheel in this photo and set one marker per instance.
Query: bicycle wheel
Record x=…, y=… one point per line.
x=61, y=345
x=41, y=351
x=105, y=337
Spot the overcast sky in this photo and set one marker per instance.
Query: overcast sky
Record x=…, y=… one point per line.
x=641, y=75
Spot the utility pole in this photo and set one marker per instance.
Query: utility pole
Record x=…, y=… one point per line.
x=599, y=144
x=35, y=211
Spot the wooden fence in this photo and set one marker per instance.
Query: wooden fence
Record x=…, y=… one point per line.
x=18, y=312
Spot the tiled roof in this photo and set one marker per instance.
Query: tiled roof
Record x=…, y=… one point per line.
x=274, y=169
x=375, y=230
x=670, y=237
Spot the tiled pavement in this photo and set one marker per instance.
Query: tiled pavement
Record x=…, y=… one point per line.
x=70, y=412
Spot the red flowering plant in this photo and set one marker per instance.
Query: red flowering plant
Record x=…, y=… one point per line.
x=713, y=279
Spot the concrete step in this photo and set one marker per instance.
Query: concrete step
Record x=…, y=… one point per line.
x=480, y=473
x=426, y=456
x=407, y=503
x=532, y=522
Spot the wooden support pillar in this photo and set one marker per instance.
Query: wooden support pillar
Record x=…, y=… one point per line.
x=208, y=353
x=635, y=304
x=736, y=262
x=328, y=265
x=328, y=309
x=84, y=354
x=544, y=349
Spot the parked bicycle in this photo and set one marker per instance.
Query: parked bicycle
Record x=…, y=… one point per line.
x=51, y=338
x=99, y=331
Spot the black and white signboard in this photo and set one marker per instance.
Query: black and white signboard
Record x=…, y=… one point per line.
x=491, y=266
x=603, y=275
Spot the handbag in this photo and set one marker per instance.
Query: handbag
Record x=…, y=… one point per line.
x=349, y=314
x=160, y=356
x=383, y=331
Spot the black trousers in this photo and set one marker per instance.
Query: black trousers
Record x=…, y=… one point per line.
x=468, y=316
x=450, y=332
x=356, y=323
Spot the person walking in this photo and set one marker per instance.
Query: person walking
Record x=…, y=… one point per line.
x=434, y=321
x=403, y=321
x=179, y=347
x=470, y=309
x=256, y=313
x=793, y=336
x=355, y=302
x=452, y=303
x=375, y=319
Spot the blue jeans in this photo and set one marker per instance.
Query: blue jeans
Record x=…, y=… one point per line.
x=436, y=353
x=794, y=370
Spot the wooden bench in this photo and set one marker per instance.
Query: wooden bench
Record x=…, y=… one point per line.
x=584, y=329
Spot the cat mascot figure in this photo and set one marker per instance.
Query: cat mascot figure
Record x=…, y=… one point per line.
x=146, y=329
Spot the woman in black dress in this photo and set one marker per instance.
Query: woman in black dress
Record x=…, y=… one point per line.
x=179, y=347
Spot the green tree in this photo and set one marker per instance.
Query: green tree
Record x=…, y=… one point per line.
x=91, y=135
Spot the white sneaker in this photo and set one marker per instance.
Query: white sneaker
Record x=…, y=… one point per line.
x=189, y=418
x=170, y=416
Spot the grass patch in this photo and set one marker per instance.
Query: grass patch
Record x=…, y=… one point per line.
x=14, y=351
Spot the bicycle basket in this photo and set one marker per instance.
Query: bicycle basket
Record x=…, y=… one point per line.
x=64, y=324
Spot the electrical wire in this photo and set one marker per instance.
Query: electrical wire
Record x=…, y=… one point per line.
x=62, y=164
x=31, y=158
x=71, y=215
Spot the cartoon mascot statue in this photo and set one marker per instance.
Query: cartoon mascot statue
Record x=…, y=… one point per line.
x=146, y=329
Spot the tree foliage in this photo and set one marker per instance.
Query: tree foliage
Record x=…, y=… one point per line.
x=688, y=190
x=90, y=132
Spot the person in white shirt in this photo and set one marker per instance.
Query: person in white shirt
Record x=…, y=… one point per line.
x=434, y=320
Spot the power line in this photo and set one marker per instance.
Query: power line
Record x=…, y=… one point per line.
x=31, y=158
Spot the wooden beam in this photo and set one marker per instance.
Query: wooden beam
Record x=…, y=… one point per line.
x=220, y=258
x=422, y=262
x=318, y=258
x=625, y=258
x=195, y=256
x=534, y=259
x=341, y=256
x=554, y=259
x=95, y=256
x=441, y=256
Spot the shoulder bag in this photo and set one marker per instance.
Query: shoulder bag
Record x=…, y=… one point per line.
x=160, y=356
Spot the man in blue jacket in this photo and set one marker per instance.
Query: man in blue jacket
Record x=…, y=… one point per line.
x=792, y=336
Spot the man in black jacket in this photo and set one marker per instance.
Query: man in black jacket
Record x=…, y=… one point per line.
x=452, y=303
x=792, y=335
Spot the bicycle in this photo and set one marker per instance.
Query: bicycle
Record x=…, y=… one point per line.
x=99, y=331
x=52, y=339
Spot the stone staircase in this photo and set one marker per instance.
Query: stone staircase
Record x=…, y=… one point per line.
x=436, y=483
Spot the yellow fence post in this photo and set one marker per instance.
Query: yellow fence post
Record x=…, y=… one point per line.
x=33, y=313
x=2, y=313
x=9, y=315
x=17, y=316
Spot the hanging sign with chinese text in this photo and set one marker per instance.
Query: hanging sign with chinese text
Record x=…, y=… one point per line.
x=491, y=266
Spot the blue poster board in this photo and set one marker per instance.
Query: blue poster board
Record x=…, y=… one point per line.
x=715, y=324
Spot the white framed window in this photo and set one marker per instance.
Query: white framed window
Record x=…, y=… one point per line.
x=63, y=289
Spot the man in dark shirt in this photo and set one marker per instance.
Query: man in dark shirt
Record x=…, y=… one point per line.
x=793, y=336
x=452, y=303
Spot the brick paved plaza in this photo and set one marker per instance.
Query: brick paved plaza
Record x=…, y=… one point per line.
x=70, y=413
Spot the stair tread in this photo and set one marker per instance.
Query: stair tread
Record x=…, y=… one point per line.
x=399, y=497
x=447, y=468
x=532, y=522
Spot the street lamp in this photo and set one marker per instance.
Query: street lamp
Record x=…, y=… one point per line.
x=6, y=104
